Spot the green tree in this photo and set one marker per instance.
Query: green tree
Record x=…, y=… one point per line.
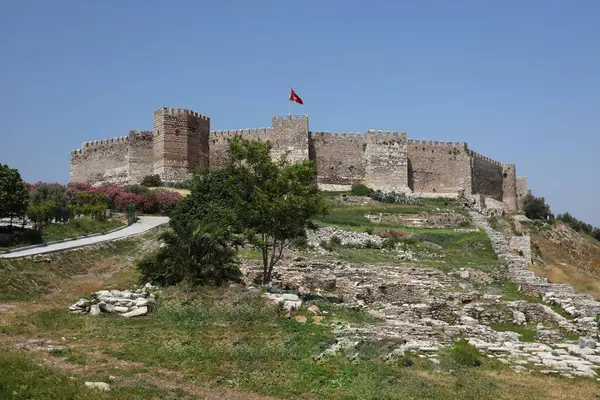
x=14, y=196
x=273, y=201
x=536, y=207
x=48, y=195
x=253, y=199
x=194, y=252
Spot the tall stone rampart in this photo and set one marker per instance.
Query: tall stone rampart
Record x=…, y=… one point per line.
x=339, y=157
x=438, y=167
x=386, y=166
x=101, y=161
x=521, y=191
x=141, y=155
x=180, y=143
x=487, y=176
x=509, y=187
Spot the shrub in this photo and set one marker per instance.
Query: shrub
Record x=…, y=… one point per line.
x=465, y=354
x=300, y=242
x=465, y=223
x=137, y=189
x=396, y=198
x=194, y=252
x=124, y=198
x=369, y=230
x=335, y=241
x=166, y=201
x=358, y=189
x=151, y=181
x=536, y=207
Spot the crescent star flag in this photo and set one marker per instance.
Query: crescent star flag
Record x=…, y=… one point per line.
x=295, y=97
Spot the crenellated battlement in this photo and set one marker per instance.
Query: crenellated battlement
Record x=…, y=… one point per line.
x=290, y=117
x=439, y=144
x=173, y=112
x=181, y=141
x=482, y=157
x=248, y=132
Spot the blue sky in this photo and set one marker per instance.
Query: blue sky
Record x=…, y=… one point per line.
x=517, y=80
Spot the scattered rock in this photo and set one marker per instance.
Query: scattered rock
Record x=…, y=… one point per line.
x=313, y=308
x=300, y=318
x=136, y=312
x=317, y=319
x=103, y=386
x=126, y=302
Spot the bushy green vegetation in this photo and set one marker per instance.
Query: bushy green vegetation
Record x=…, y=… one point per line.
x=536, y=208
x=13, y=194
x=464, y=354
x=358, y=189
x=579, y=226
x=151, y=181
x=79, y=227
x=254, y=200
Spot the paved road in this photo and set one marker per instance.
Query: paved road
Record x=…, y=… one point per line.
x=144, y=224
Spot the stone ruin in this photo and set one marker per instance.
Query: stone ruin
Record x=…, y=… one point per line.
x=125, y=303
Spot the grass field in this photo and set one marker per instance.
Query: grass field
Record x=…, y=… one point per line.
x=227, y=338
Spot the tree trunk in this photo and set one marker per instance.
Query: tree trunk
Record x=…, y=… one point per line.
x=265, y=256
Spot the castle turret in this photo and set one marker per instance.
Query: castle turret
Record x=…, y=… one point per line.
x=509, y=187
x=290, y=137
x=180, y=143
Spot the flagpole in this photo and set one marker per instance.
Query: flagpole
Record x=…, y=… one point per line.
x=290, y=103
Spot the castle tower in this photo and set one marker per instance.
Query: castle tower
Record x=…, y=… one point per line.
x=289, y=137
x=180, y=143
x=509, y=187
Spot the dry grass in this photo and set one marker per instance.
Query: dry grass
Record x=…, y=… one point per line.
x=183, y=192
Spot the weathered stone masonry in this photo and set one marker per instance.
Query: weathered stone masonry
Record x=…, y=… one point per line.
x=182, y=141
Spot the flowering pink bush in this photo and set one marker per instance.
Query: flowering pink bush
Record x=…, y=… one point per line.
x=166, y=201
x=124, y=198
x=161, y=201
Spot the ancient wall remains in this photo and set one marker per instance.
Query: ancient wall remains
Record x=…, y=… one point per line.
x=100, y=161
x=521, y=191
x=339, y=157
x=180, y=143
x=487, y=176
x=289, y=137
x=438, y=167
x=219, y=142
x=509, y=187
x=141, y=155
x=386, y=166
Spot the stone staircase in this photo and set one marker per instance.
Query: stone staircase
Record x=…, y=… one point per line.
x=515, y=251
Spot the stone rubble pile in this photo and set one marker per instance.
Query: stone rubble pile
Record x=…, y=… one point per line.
x=288, y=301
x=425, y=309
x=516, y=252
x=347, y=238
x=126, y=303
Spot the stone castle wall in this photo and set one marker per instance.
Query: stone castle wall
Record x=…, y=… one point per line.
x=339, y=157
x=487, y=176
x=141, y=155
x=101, y=161
x=182, y=141
x=521, y=191
x=438, y=167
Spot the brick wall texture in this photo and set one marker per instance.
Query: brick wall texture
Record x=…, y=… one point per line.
x=182, y=142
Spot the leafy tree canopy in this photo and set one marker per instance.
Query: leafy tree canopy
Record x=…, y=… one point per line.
x=14, y=196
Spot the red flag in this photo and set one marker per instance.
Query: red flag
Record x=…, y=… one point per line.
x=295, y=97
